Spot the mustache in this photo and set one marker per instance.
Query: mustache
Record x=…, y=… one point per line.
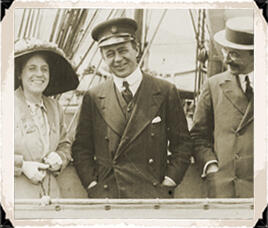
x=231, y=63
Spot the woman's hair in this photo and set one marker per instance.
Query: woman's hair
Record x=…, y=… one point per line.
x=22, y=60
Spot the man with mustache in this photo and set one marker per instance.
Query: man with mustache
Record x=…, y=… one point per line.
x=223, y=121
x=127, y=124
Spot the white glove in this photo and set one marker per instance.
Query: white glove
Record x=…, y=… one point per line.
x=34, y=171
x=54, y=161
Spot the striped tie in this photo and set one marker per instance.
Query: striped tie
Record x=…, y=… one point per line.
x=126, y=93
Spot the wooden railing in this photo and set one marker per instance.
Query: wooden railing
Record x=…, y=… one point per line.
x=136, y=208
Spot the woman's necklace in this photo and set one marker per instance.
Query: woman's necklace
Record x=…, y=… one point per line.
x=45, y=199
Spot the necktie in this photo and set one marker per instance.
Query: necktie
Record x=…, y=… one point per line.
x=249, y=89
x=126, y=93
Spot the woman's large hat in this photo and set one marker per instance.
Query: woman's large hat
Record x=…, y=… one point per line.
x=238, y=34
x=62, y=74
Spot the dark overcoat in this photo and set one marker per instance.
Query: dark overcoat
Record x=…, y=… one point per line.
x=223, y=131
x=129, y=160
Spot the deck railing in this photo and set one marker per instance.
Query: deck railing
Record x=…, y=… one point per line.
x=136, y=208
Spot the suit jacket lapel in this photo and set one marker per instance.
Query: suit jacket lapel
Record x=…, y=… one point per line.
x=248, y=117
x=233, y=93
x=148, y=102
x=110, y=109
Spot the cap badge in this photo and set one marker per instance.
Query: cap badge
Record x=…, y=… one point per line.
x=113, y=29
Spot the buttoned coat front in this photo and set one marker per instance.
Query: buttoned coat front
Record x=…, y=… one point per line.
x=130, y=161
x=223, y=131
x=28, y=145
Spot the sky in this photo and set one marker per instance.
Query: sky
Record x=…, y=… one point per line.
x=172, y=50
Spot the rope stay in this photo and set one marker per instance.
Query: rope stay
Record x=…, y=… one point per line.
x=72, y=26
x=201, y=52
x=152, y=39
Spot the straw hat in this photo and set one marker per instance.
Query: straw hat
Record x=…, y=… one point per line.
x=62, y=75
x=238, y=34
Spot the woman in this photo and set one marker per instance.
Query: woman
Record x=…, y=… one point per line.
x=42, y=149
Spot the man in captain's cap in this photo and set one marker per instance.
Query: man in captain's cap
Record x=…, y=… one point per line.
x=127, y=124
x=223, y=121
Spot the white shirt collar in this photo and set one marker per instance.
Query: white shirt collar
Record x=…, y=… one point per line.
x=33, y=106
x=243, y=82
x=134, y=81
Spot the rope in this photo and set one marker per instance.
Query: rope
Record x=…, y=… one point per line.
x=91, y=45
x=31, y=24
x=39, y=25
x=27, y=23
x=80, y=63
x=78, y=109
x=192, y=19
x=86, y=31
x=54, y=25
x=151, y=41
x=36, y=23
x=21, y=23
x=63, y=15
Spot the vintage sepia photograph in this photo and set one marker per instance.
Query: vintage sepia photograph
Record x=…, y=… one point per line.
x=134, y=113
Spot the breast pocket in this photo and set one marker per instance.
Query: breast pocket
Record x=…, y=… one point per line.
x=28, y=127
x=157, y=129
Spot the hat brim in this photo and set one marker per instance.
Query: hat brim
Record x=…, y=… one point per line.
x=115, y=40
x=219, y=37
x=62, y=76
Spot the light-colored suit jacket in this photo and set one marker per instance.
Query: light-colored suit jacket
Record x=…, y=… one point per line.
x=223, y=131
x=28, y=145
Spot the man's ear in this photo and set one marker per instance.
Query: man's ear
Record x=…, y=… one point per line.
x=101, y=51
x=137, y=49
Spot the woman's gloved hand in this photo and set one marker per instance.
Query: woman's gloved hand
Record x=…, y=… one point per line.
x=54, y=161
x=34, y=171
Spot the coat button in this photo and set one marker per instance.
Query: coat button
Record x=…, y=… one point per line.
x=128, y=109
x=152, y=134
x=155, y=184
x=105, y=186
x=151, y=161
x=106, y=138
x=94, y=158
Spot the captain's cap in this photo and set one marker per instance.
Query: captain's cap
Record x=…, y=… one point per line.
x=114, y=31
